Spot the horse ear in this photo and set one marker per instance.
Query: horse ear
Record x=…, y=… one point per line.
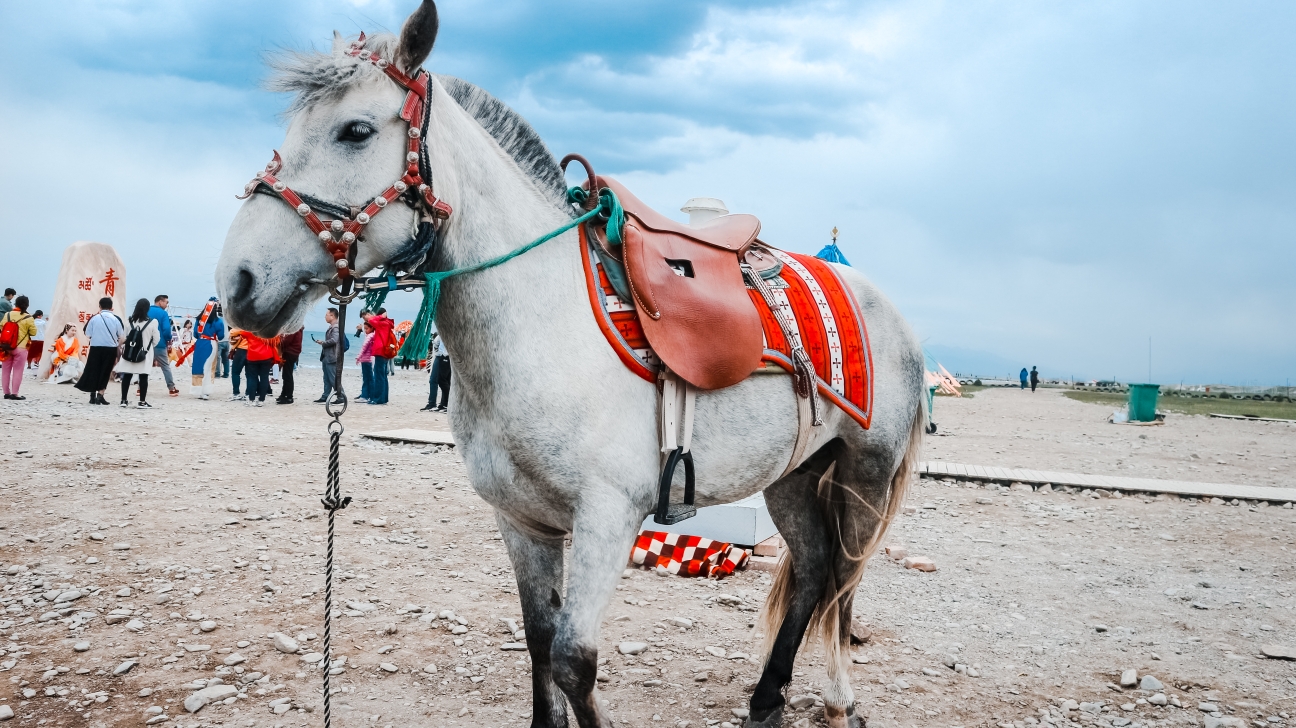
x=339, y=44
x=417, y=36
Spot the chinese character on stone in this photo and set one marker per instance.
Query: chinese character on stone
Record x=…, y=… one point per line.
x=110, y=282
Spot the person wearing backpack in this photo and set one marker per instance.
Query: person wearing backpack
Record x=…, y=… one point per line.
x=139, y=338
x=105, y=332
x=16, y=331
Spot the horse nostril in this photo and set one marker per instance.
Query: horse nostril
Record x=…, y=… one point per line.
x=243, y=289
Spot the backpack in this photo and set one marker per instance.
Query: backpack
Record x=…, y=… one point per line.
x=133, y=351
x=9, y=333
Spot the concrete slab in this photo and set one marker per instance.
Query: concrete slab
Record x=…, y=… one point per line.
x=742, y=523
x=424, y=437
x=1111, y=482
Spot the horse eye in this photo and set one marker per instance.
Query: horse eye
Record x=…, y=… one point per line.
x=356, y=131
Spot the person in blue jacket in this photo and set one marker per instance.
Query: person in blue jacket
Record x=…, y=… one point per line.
x=158, y=313
x=1025, y=375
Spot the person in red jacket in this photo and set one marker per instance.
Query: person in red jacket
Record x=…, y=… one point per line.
x=290, y=347
x=384, y=350
x=260, y=357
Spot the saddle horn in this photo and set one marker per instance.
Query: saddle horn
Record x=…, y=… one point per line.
x=591, y=201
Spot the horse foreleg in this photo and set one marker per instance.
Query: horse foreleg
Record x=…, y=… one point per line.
x=603, y=535
x=795, y=511
x=538, y=566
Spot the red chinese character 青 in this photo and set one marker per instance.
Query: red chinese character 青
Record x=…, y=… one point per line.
x=110, y=282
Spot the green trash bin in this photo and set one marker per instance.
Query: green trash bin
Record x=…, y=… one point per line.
x=1143, y=402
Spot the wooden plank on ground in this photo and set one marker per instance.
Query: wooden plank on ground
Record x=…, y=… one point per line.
x=1112, y=482
x=424, y=437
x=1257, y=419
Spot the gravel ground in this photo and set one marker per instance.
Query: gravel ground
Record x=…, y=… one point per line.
x=146, y=554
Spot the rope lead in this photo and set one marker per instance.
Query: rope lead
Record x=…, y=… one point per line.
x=609, y=208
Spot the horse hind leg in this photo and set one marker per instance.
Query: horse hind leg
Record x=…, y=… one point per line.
x=799, y=585
x=859, y=505
x=538, y=565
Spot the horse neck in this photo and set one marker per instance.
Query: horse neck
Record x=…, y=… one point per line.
x=499, y=323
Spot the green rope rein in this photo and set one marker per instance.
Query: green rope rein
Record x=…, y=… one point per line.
x=416, y=343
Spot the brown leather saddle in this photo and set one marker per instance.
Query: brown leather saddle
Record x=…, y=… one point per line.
x=687, y=283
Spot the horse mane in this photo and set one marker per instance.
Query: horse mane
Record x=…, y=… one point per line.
x=313, y=77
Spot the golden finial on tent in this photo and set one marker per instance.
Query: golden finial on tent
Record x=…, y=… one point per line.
x=834, y=234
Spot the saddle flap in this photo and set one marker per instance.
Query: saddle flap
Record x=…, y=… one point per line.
x=695, y=309
x=731, y=232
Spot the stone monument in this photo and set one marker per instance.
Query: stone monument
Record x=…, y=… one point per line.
x=89, y=272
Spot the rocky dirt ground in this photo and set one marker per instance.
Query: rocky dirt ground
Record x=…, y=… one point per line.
x=157, y=561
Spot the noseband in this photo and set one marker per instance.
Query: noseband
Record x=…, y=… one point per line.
x=340, y=234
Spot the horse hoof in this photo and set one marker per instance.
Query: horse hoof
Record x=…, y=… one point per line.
x=839, y=718
x=772, y=718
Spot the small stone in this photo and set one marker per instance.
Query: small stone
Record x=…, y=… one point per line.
x=6, y=712
x=1150, y=684
x=145, y=692
x=701, y=677
x=206, y=625
x=740, y=713
x=1227, y=721
x=196, y=648
x=135, y=625
x=680, y=622
x=388, y=667
x=513, y=646
x=1208, y=707
x=378, y=522
x=92, y=560
x=859, y=632
x=801, y=702
x=715, y=651
x=68, y=596
x=212, y=694
x=1090, y=708
x=919, y=563
x=81, y=647
x=234, y=659
x=1278, y=652
x=285, y=644
x=311, y=658
x=1158, y=699
x=602, y=676
x=654, y=683
x=241, y=644
x=124, y=668
x=1129, y=678
x=632, y=648
x=121, y=547
x=430, y=668
x=1100, y=628
x=1127, y=707
x=897, y=552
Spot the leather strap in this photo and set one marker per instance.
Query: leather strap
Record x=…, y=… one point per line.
x=677, y=403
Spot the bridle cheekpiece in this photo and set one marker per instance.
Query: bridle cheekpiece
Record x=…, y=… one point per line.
x=340, y=234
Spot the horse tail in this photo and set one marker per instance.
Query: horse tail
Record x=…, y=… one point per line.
x=842, y=508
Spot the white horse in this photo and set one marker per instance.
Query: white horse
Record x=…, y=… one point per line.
x=557, y=434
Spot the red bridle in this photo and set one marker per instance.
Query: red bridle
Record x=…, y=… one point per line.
x=340, y=234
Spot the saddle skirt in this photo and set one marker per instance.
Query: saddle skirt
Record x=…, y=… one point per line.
x=827, y=322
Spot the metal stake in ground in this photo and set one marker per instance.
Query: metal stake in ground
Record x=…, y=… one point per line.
x=333, y=500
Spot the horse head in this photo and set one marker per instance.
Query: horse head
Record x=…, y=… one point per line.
x=347, y=150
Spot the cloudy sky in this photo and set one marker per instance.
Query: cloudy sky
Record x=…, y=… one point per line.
x=1032, y=183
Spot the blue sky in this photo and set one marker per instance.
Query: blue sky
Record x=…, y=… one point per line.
x=1032, y=183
